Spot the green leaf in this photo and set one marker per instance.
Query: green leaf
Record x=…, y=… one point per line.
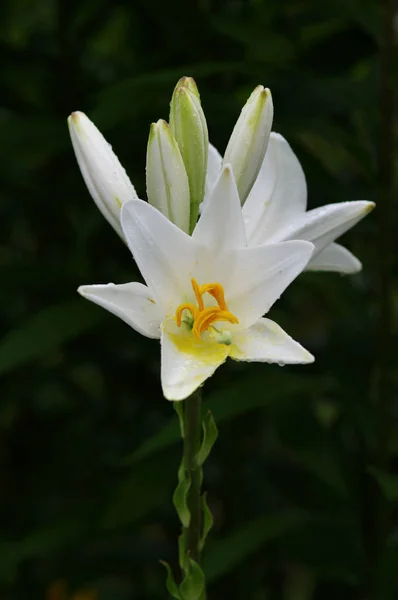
x=143, y=488
x=182, y=555
x=193, y=585
x=207, y=521
x=210, y=434
x=224, y=555
x=388, y=483
x=180, y=496
x=171, y=585
x=231, y=402
x=45, y=331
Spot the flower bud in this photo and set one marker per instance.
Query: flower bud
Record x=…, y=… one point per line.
x=188, y=126
x=166, y=178
x=103, y=174
x=249, y=140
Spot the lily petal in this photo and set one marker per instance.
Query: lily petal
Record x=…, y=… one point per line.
x=335, y=258
x=186, y=363
x=164, y=254
x=279, y=194
x=221, y=224
x=324, y=224
x=131, y=302
x=105, y=178
x=214, y=162
x=258, y=276
x=265, y=341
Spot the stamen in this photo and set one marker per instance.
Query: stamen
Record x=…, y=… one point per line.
x=211, y=315
x=217, y=291
x=202, y=318
x=187, y=306
x=198, y=293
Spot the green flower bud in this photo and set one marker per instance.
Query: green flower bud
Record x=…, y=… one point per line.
x=188, y=125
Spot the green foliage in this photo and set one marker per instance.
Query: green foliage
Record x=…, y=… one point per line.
x=302, y=495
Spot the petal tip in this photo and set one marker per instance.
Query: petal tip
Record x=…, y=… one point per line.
x=308, y=358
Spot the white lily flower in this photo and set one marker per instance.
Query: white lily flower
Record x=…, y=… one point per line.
x=205, y=294
x=249, y=140
x=275, y=209
x=166, y=178
x=106, y=179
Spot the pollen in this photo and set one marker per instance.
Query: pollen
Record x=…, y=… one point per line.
x=201, y=318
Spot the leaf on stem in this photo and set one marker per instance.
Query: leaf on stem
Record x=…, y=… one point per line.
x=210, y=434
x=171, y=585
x=180, y=496
x=193, y=585
x=207, y=521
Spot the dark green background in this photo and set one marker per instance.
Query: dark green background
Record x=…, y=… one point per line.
x=299, y=480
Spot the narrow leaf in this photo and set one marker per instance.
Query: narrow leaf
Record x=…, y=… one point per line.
x=210, y=434
x=180, y=496
x=207, y=521
x=193, y=585
x=242, y=398
x=47, y=330
x=223, y=555
x=388, y=483
x=171, y=585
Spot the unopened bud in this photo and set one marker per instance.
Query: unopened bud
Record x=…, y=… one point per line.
x=105, y=178
x=166, y=178
x=249, y=140
x=188, y=126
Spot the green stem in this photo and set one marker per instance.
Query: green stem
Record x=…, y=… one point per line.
x=192, y=442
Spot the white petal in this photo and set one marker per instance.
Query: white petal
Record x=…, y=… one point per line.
x=324, y=224
x=164, y=254
x=103, y=174
x=131, y=302
x=265, y=341
x=258, y=276
x=279, y=194
x=248, y=143
x=166, y=179
x=335, y=258
x=186, y=363
x=214, y=161
x=221, y=225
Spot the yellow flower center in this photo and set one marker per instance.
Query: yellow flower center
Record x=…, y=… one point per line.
x=201, y=317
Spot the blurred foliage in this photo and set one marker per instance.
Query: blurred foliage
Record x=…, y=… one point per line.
x=88, y=447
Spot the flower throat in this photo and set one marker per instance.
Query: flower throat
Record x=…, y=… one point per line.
x=201, y=318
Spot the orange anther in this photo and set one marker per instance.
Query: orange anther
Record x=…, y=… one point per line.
x=204, y=317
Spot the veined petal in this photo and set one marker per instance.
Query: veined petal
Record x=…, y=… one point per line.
x=279, y=194
x=103, y=174
x=258, y=276
x=214, y=161
x=221, y=224
x=324, y=224
x=248, y=143
x=166, y=178
x=186, y=362
x=131, y=302
x=164, y=254
x=335, y=258
x=265, y=341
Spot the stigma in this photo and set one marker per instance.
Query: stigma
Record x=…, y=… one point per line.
x=200, y=318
